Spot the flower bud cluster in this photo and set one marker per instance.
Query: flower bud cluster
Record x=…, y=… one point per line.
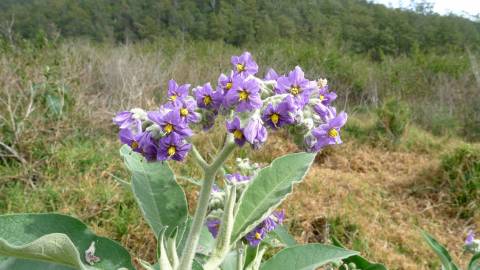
x=217, y=200
x=251, y=106
x=472, y=245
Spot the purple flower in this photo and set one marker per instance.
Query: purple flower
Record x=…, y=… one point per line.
x=237, y=178
x=148, y=146
x=215, y=189
x=244, y=65
x=207, y=98
x=281, y=114
x=235, y=128
x=255, y=133
x=176, y=92
x=171, y=122
x=245, y=93
x=296, y=85
x=213, y=226
x=225, y=82
x=470, y=238
x=329, y=133
x=172, y=147
x=187, y=112
x=256, y=236
x=125, y=120
x=325, y=112
x=269, y=224
x=127, y=137
x=271, y=75
x=325, y=96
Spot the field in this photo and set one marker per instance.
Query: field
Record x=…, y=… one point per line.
x=60, y=152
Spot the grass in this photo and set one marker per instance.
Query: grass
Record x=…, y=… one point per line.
x=372, y=194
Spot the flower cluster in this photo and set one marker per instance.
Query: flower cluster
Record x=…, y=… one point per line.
x=161, y=134
x=251, y=107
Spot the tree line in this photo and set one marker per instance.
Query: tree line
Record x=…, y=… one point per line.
x=362, y=26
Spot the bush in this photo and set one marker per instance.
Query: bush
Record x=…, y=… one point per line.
x=393, y=119
x=462, y=168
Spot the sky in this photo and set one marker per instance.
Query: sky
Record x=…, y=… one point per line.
x=459, y=7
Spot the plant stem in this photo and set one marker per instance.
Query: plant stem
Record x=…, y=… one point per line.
x=223, y=238
x=202, y=206
x=198, y=157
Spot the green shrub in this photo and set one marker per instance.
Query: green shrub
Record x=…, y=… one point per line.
x=393, y=119
x=462, y=168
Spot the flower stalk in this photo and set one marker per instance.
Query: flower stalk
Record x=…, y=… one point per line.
x=199, y=218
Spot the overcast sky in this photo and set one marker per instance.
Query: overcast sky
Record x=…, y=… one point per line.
x=472, y=7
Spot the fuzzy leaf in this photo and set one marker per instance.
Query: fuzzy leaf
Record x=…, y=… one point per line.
x=54, y=248
x=158, y=194
x=268, y=189
x=306, y=257
x=474, y=262
x=358, y=260
x=282, y=235
x=26, y=234
x=441, y=251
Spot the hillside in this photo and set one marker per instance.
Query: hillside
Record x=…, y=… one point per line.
x=361, y=26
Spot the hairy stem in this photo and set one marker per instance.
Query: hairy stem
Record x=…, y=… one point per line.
x=198, y=157
x=199, y=218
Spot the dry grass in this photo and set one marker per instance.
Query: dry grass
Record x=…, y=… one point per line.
x=389, y=196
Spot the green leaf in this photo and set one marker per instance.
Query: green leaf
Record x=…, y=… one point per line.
x=282, y=235
x=474, y=262
x=230, y=261
x=29, y=232
x=306, y=257
x=196, y=266
x=441, y=252
x=53, y=248
x=358, y=260
x=158, y=194
x=269, y=188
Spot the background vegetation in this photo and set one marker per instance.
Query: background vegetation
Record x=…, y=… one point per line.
x=407, y=78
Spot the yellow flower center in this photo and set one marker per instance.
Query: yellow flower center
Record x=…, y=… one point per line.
x=168, y=128
x=274, y=117
x=207, y=100
x=295, y=90
x=322, y=97
x=173, y=98
x=333, y=133
x=171, y=150
x=228, y=86
x=240, y=67
x=238, y=134
x=243, y=95
x=258, y=236
x=134, y=145
x=183, y=112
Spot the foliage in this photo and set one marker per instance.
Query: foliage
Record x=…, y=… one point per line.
x=364, y=26
x=358, y=262
x=393, y=119
x=444, y=256
x=54, y=239
x=462, y=169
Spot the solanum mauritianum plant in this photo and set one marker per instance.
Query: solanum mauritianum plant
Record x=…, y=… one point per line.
x=236, y=219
